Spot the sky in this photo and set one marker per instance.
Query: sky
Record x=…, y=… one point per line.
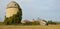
x=32, y=9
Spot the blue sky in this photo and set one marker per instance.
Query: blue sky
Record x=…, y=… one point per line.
x=44, y=9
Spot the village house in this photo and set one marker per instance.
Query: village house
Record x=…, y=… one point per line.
x=43, y=22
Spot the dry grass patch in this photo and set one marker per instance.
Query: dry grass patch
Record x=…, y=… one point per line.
x=29, y=27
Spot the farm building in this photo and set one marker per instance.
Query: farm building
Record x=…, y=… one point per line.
x=43, y=22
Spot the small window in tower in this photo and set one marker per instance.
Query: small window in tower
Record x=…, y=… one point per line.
x=15, y=4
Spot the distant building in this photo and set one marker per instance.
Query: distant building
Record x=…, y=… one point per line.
x=43, y=22
x=33, y=20
x=25, y=21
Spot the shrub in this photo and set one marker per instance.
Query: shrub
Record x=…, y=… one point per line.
x=15, y=19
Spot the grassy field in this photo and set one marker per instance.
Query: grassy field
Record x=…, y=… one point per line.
x=29, y=27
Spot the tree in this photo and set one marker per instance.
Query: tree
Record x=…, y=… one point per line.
x=51, y=22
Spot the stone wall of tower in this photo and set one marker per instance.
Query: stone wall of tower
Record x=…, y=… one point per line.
x=11, y=11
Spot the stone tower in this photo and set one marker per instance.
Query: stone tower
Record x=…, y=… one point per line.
x=13, y=13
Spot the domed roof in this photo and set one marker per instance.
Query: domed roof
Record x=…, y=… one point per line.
x=12, y=4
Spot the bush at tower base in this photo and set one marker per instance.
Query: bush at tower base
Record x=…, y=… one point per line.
x=15, y=19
